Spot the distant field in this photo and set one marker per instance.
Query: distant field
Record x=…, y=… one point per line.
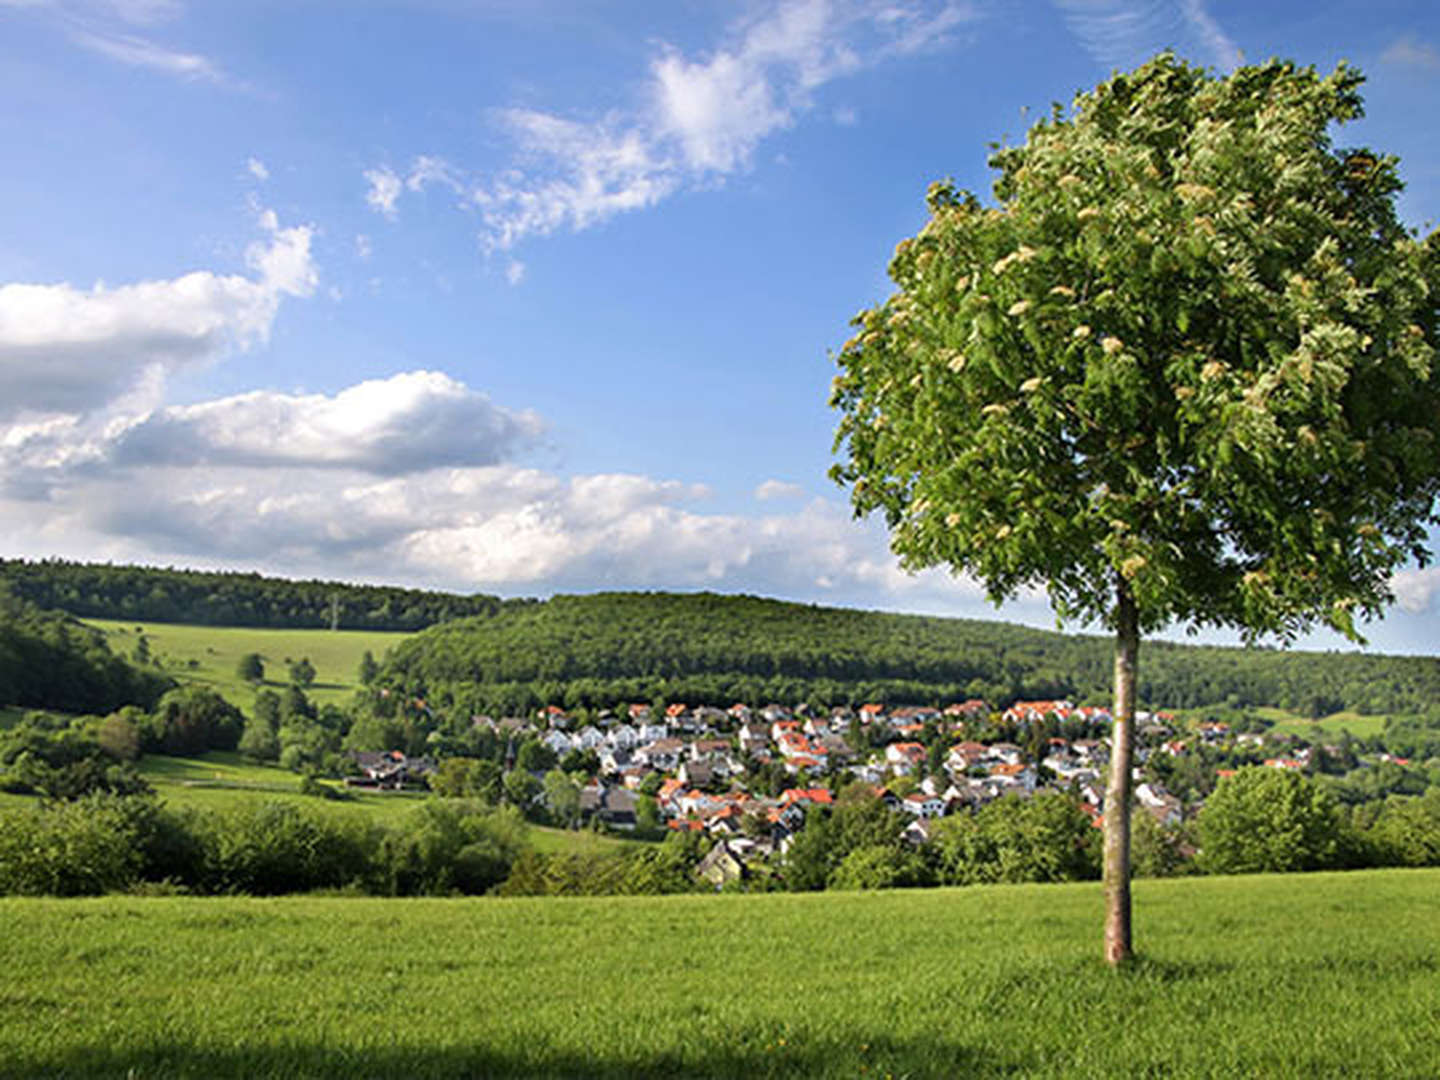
x=1330, y=726
x=220, y=780
x=1296, y=976
x=209, y=655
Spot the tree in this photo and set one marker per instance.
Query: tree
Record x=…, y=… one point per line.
x=1179, y=372
x=302, y=672
x=1268, y=821
x=368, y=668
x=251, y=668
x=562, y=796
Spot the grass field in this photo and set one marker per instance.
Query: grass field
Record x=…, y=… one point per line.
x=208, y=655
x=1329, y=727
x=1301, y=976
x=219, y=780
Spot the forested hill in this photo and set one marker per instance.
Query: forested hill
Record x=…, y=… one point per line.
x=50, y=661
x=605, y=649
x=102, y=591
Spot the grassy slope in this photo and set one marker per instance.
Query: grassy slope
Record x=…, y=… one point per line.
x=1328, y=727
x=1274, y=976
x=216, y=651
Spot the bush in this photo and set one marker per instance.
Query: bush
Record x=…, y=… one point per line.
x=1265, y=820
x=85, y=847
x=1046, y=838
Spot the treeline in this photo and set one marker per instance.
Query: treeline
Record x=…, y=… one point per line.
x=206, y=598
x=1259, y=821
x=611, y=648
x=113, y=843
x=50, y=661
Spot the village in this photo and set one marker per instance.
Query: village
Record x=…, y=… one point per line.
x=746, y=777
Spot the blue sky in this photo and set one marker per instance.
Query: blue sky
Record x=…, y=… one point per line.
x=526, y=297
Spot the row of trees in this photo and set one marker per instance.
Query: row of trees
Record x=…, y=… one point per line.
x=106, y=843
x=103, y=591
x=1259, y=821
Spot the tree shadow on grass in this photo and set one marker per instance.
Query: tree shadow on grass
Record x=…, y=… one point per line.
x=777, y=1057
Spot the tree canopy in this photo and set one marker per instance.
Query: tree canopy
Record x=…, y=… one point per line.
x=1188, y=348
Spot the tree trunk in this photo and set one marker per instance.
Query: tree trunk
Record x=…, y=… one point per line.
x=1117, y=792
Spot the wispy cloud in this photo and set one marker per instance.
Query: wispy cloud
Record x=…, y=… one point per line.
x=778, y=489
x=698, y=119
x=108, y=28
x=1410, y=51
x=1124, y=33
x=139, y=52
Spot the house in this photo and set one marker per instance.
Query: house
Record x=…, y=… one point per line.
x=698, y=774
x=663, y=754
x=587, y=738
x=1005, y=753
x=615, y=806
x=557, y=741
x=623, y=736
x=615, y=759
x=917, y=833
x=388, y=769
x=711, y=750
x=754, y=737
x=919, y=804
x=904, y=757
x=964, y=756
x=1033, y=712
x=1017, y=777
x=721, y=866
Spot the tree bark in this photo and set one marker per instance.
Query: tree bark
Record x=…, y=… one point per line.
x=1117, y=792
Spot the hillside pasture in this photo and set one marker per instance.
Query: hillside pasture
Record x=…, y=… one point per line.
x=1327, y=727
x=1265, y=976
x=220, y=780
x=209, y=655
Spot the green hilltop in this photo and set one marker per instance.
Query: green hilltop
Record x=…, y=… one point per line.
x=702, y=648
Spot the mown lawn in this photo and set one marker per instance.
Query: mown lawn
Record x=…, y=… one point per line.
x=1319, y=975
x=209, y=655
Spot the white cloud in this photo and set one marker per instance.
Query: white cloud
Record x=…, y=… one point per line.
x=256, y=168
x=385, y=188
x=698, y=119
x=407, y=479
x=69, y=350
x=1410, y=51
x=409, y=422
x=515, y=272
x=1124, y=33
x=1415, y=589
x=778, y=489
x=141, y=52
x=363, y=248
x=846, y=116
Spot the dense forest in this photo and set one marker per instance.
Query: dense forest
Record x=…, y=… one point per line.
x=609, y=648
x=50, y=661
x=206, y=598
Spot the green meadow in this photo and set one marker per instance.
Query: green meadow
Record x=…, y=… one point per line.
x=1318, y=975
x=209, y=655
x=221, y=780
x=1328, y=727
